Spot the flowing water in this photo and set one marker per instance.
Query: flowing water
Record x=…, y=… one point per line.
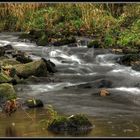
x=80, y=72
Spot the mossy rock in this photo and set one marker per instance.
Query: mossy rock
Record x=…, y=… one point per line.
x=23, y=59
x=77, y=122
x=42, y=40
x=33, y=103
x=93, y=43
x=65, y=41
x=7, y=91
x=24, y=36
x=38, y=36
x=130, y=50
x=36, y=68
x=128, y=59
x=5, y=62
x=4, y=78
x=60, y=123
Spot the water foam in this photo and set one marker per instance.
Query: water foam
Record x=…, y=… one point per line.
x=132, y=90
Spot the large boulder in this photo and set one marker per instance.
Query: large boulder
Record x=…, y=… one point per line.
x=36, y=68
x=7, y=91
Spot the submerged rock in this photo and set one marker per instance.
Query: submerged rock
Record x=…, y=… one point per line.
x=77, y=122
x=7, y=91
x=32, y=103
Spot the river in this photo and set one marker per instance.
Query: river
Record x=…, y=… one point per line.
x=81, y=72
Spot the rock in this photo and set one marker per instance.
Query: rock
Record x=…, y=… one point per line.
x=22, y=57
x=7, y=91
x=9, y=70
x=104, y=92
x=130, y=51
x=33, y=103
x=38, y=36
x=42, y=40
x=77, y=122
x=93, y=43
x=105, y=84
x=5, y=62
x=50, y=66
x=65, y=41
x=117, y=51
x=35, y=80
x=129, y=59
x=136, y=65
x=5, y=49
x=8, y=47
x=73, y=45
x=36, y=68
x=59, y=124
x=2, y=51
x=4, y=78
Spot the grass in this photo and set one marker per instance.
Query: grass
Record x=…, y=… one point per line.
x=114, y=24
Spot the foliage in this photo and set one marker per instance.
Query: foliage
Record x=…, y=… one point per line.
x=118, y=24
x=51, y=115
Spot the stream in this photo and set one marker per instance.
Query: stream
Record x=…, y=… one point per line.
x=81, y=73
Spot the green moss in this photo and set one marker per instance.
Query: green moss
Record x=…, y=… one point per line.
x=79, y=120
x=7, y=91
x=24, y=36
x=76, y=122
x=65, y=41
x=93, y=43
x=59, y=123
x=4, y=78
x=5, y=62
x=43, y=40
x=34, y=103
x=36, y=68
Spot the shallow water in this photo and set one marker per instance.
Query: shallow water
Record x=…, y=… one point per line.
x=80, y=71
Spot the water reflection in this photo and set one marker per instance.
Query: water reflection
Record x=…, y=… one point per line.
x=10, y=131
